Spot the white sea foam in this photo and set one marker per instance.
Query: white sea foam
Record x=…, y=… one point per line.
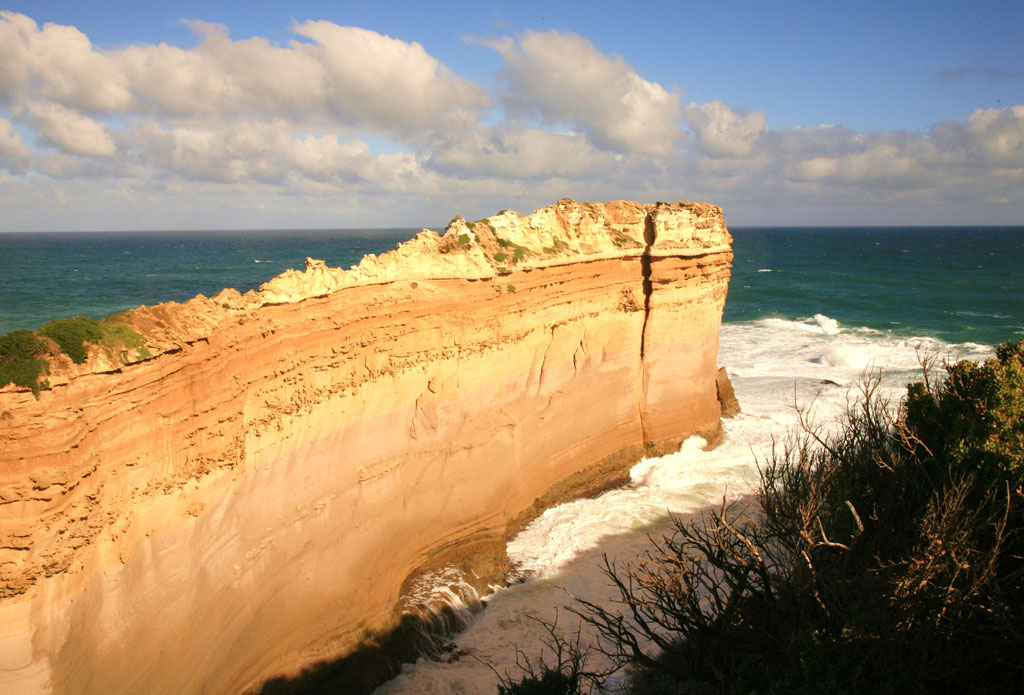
x=776, y=366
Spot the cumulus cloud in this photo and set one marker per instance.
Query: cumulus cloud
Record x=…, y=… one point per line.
x=14, y=153
x=563, y=78
x=946, y=155
x=999, y=134
x=70, y=131
x=521, y=153
x=347, y=116
x=58, y=63
x=267, y=153
x=343, y=74
x=722, y=130
x=377, y=79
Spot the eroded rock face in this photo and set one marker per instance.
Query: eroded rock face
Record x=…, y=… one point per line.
x=252, y=498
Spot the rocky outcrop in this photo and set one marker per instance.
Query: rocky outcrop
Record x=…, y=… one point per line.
x=252, y=496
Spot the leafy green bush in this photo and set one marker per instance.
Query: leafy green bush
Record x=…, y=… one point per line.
x=72, y=334
x=21, y=361
x=977, y=418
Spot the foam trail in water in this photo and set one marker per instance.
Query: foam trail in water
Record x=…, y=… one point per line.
x=776, y=366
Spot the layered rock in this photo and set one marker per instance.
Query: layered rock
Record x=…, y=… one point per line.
x=252, y=497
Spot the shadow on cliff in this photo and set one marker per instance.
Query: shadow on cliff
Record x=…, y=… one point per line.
x=359, y=673
x=380, y=658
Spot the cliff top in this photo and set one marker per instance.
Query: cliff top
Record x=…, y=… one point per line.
x=563, y=233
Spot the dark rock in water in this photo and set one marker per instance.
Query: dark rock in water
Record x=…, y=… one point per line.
x=726, y=396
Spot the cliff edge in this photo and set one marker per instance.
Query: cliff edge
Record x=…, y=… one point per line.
x=249, y=492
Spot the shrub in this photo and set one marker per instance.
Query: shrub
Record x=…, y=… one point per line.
x=565, y=674
x=977, y=417
x=21, y=360
x=72, y=334
x=886, y=556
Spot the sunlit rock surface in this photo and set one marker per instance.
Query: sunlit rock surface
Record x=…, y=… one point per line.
x=251, y=498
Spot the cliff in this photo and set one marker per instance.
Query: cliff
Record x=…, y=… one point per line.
x=252, y=495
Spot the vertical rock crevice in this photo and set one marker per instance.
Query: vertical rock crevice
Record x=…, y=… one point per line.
x=647, y=287
x=645, y=270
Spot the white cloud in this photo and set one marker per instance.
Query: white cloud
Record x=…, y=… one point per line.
x=345, y=75
x=296, y=128
x=722, y=131
x=58, y=63
x=375, y=79
x=521, y=153
x=15, y=155
x=266, y=152
x=564, y=79
x=999, y=134
x=70, y=131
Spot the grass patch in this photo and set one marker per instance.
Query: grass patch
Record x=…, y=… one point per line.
x=622, y=241
x=518, y=252
x=118, y=336
x=485, y=221
x=512, y=289
x=557, y=246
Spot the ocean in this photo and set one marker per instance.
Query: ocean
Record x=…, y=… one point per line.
x=810, y=312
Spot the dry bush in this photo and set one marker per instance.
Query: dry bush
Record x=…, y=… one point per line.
x=883, y=556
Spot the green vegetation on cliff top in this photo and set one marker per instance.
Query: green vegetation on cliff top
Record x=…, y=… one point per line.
x=24, y=354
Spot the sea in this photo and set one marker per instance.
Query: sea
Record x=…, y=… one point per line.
x=813, y=314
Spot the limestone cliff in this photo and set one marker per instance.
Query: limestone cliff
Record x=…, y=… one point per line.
x=253, y=495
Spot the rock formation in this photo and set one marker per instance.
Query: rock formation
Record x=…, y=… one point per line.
x=251, y=497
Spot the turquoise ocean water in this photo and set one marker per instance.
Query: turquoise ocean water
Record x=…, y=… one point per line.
x=956, y=284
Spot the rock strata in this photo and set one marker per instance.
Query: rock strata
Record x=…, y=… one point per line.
x=251, y=497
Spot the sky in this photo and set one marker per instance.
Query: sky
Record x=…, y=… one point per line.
x=266, y=115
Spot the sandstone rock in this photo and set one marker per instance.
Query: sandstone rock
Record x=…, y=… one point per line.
x=726, y=396
x=251, y=498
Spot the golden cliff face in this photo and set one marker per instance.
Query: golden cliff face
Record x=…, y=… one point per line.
x=252, y=497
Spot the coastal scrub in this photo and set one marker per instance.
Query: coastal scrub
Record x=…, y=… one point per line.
x=22, y=361
x=886, y=556
x=24, y=354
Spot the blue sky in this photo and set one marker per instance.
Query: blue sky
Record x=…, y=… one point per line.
x=117, y=115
